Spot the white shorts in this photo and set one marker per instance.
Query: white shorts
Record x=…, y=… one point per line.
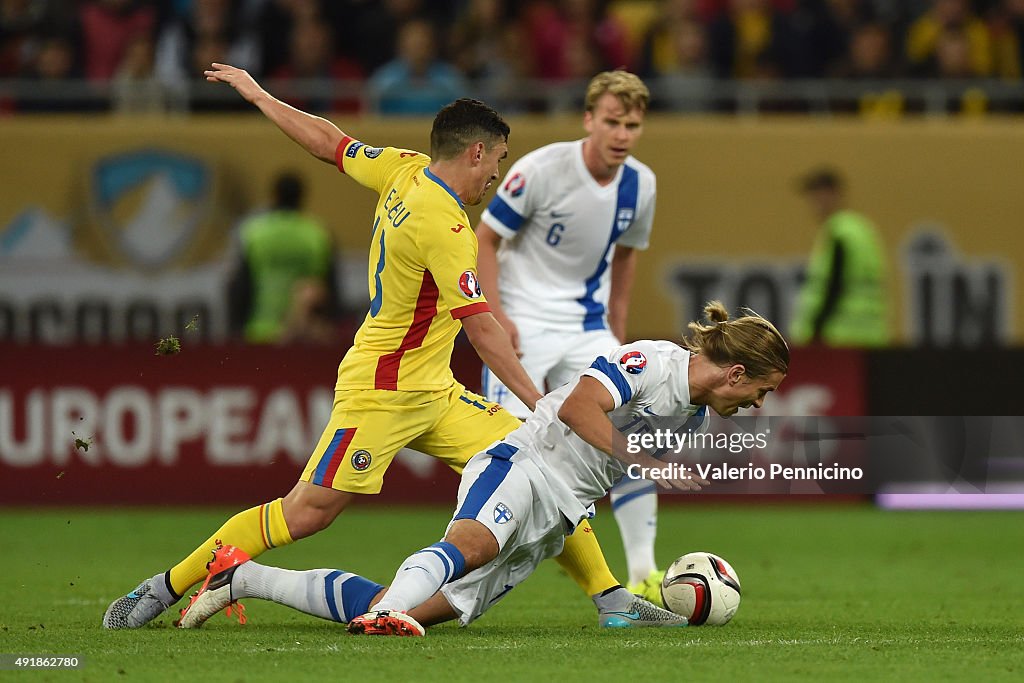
x=551, y=358
x=511, y=497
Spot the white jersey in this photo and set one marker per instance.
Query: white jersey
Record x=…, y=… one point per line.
x=559, y=228
x=646, y=378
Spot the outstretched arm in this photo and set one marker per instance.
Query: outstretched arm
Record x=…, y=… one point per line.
x=317, y=136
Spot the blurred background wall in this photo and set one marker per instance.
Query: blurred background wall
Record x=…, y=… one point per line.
x=145, y=208
x=124, y=178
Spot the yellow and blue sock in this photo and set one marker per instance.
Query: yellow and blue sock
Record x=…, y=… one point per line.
x=254, y=531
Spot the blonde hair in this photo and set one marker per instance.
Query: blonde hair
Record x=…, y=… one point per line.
x=750, y=341
x=630, y=90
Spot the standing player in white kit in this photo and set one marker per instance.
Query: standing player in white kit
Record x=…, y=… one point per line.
x=557, y=256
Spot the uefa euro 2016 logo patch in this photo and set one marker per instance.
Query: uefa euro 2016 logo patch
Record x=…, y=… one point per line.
x=361, y=460
x=515, y=185
x=372, y=152
x=633, y=362
x=502, y=514
x=469, y=285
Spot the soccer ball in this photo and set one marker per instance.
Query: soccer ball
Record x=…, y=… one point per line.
x=702, y=587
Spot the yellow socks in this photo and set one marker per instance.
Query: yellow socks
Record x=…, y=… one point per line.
x=254, y=530
x=583, y=559
x=263, y=527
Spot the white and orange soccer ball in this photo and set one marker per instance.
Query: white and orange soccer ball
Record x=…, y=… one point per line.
x=702, y=587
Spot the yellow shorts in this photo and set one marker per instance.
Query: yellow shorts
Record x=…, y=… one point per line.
x=368, y=427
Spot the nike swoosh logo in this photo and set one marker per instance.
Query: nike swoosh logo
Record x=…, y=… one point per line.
x=560, y=214
x=647, y=409
x=133, y=596
x=628, y=615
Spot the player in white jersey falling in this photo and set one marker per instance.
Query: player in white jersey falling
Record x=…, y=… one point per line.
x=522, y=496
x=558, y=244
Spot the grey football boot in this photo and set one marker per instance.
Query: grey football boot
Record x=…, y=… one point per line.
x=622, y=609
x=141, y=606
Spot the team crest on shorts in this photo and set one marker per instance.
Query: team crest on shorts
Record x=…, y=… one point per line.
x=633, y=362
x=515, y=185
x=361, y=460
x=469, y=285
x=502, y=514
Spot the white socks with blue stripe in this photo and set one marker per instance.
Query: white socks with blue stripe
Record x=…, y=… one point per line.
x=635, y=506
x=421, y=575
x=325, y=593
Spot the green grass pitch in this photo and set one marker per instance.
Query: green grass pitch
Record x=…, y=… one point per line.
x=834, y=593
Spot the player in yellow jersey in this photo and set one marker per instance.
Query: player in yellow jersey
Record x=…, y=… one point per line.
x=395, y=387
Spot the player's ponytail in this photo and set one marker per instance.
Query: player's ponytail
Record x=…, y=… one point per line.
x=750, y=340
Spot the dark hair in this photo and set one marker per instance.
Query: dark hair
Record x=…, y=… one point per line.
x=749, y=340
x=288, y=191
x=463, y=122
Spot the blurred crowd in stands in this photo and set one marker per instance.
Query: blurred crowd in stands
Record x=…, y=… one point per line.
x=411, y=56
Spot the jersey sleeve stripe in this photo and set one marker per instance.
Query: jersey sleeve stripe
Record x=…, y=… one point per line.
x=470, y=309
x=386, y=376
x=503, y=216
x=339, y=153
x=606, y=382
x=605, y=369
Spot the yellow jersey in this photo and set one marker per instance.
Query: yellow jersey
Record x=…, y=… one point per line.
x=422, y=273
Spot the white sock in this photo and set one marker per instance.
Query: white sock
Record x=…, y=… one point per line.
x=421, y=575
x=635, y=505
x=325, y=593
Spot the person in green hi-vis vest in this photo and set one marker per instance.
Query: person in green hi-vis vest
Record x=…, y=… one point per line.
x=843, y=301
x=283, y=287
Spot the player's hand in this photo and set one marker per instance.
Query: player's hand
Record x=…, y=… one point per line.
x=239, y=79
x=690, y=484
